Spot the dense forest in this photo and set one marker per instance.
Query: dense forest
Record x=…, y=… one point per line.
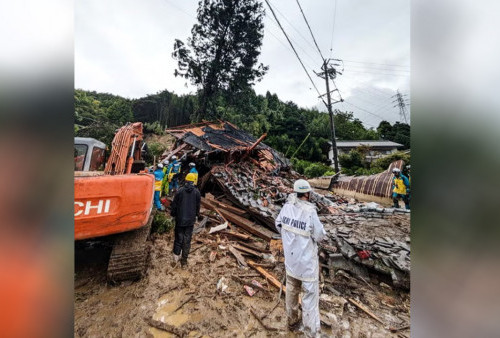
x=98, y=115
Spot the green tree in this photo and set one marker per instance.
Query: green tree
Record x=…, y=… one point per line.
x=222, y=52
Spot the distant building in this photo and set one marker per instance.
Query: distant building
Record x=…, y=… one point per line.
x=377, y=149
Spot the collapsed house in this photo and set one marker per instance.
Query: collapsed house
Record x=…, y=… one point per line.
x=246, y=182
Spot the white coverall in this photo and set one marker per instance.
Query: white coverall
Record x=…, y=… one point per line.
x=300, y=230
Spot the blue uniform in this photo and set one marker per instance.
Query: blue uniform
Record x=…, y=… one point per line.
x=194, y=171
x=400, y=189
x=159, y=174
x=173, y=169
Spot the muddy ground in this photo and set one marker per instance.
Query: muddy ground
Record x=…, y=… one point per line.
x=103, y=310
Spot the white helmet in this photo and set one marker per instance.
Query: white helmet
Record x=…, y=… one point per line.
x=165, y=162
x=174, y=157
x=192, y=164
x=396, y=170
x=160, y=165
x=301, y=186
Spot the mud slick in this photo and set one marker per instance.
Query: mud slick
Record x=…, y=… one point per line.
x=126, y=310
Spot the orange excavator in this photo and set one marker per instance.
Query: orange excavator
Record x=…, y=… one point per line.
x=117, y=201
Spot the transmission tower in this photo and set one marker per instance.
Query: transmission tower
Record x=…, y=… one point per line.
x=401, y=102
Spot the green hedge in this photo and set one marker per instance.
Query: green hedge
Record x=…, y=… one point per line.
x=311, y=169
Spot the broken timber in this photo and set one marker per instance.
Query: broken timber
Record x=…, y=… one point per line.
x=165, y=327
x=267, y=275
x=248, y=226
x=238, y=256
x=368, y=312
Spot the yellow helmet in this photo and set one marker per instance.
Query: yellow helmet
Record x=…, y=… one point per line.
x=191, y=177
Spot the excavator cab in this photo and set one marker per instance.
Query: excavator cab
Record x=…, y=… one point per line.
x=89, y=154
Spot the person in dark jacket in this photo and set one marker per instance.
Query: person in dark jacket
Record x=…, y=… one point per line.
x=185, y=209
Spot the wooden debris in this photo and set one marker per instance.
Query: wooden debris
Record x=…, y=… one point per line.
x=249, y=275
x=365, y=309
x=238, y=256
x=396, y=329
x=248, y=226
x=253, y=285
x=175, y=151
x=218, y=228
x=212, y=257
x=273, y=280
x=255, y=246
x=236, y=235
x=248, y=251
x=166, y=327
x=212, y=203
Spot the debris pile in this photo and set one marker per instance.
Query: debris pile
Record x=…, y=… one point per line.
x=249, y=182
x=235, y=278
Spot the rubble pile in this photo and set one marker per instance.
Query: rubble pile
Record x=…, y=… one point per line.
x=249, y=182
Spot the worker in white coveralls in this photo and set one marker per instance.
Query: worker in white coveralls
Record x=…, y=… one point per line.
x=301, y=230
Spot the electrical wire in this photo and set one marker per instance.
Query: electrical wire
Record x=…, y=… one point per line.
x=296, y=54
x=333, y=27
x=310, y=31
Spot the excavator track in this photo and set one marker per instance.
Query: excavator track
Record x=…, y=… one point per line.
x=128, y=257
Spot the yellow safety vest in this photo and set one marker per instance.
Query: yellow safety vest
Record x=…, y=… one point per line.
x=399, y=186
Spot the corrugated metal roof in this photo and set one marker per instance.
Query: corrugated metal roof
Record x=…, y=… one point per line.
x=369, y=143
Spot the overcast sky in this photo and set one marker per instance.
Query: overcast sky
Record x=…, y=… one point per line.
x=124, y=47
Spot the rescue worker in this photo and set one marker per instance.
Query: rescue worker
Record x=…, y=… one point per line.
x=174, y=168
x=193, y=170
x=164, y=182
x=159, y=174
x=400, y=188
x=185, y=209
x=301, y=230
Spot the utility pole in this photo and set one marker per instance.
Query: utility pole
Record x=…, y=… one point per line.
x=330, y=72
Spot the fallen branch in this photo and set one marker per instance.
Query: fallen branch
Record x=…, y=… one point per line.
x=368, y=312
x=396, y=329
x=191, y=298
x=165, y=327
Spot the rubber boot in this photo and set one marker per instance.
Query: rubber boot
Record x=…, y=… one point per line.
x=176, y=260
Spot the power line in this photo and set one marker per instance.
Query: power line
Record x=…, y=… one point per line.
x=180, y=9
x=388, y=74
x=333, y=27
x=293, y=27
x=381, y=64
x=296, y=54
x=296, y=44
x=310, y=31
x=369, y=112
x=378, y=68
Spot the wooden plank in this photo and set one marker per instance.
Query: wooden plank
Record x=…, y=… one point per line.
x=366, y=310
x=236, y=235
x=175, y=151
x=273, y=280
x=255, y=246
x=245, y=224
x=247, y=250
x=238, y=256
x=218, y=228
